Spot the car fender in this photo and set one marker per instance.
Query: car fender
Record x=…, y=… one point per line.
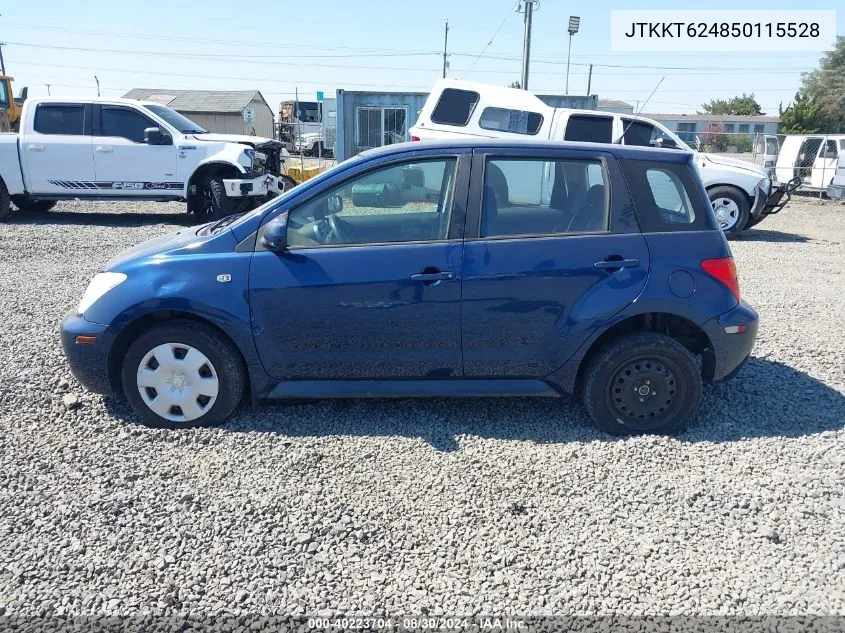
x=10, y=164
x=228, y=155
x=715, y=175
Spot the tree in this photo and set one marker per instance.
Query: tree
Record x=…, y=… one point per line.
x=745, y=105
x=825, y=86
x=805, y=115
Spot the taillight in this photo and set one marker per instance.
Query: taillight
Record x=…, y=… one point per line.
x=723, y=269
x=415, y=138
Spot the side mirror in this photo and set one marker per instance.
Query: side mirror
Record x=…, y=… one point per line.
x=665, y=142
x=155, y=136
x=334, y=204
x=274, y=235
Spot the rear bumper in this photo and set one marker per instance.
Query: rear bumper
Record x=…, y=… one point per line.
x=836, y=192
x=731, y=350
x=89, y=363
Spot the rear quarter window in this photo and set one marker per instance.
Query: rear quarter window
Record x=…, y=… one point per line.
x=589, y=129
x=454, y=107
x=668, y=197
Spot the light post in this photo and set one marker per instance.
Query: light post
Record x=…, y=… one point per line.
x=574, y=23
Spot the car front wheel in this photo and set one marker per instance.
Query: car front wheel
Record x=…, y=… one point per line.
x=183, y=374
x=642, y=383
x=731, y=208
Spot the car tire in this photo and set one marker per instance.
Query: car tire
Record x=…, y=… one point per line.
x=642, y=383
x=731, y=207
x=25, y=203
x=288, y=182
x=213, y=203
x=5, y=202
x=198, y=373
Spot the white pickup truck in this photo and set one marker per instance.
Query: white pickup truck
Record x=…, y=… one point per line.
x=122, y=149
x=742, y=193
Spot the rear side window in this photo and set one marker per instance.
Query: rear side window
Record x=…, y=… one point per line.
x=589, y=129
x=668, y=197
x=455, y=107
x=638, y=133
x=515, y=121
x=59, y=119
x=123, y=123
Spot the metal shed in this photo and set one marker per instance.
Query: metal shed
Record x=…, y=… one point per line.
x=221, y=111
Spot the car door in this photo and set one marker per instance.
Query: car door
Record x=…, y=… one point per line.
x=123, y=162
x=545, y=265
x=369, y=285
x=824, y=168
x=56, y=149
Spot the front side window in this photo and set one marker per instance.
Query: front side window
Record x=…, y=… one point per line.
x=830, y=150
x=544, y=197
x=123, y=123
x=589, y=129
x=4, y=96
x=639, y=133
x=515, y=121
x=59, y=119
x=405, y=202
x=454, y=107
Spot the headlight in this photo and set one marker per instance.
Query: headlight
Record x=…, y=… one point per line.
x=100, y=285
x=246, y=158
x=765, y=185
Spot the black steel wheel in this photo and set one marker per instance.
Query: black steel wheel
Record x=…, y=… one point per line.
x=642, y=383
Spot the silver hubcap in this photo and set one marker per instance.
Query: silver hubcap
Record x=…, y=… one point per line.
x=177, y=382
x=727, y=213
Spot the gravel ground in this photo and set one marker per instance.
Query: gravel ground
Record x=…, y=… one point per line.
x=409, y=507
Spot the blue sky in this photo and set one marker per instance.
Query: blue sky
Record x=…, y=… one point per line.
x=280, y=46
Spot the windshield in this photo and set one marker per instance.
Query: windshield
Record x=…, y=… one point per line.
x=181, y=123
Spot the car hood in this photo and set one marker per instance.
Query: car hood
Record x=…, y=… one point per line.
x=243, y=139
x=184, y=240
x=721, y=159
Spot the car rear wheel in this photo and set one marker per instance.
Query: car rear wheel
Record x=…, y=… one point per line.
x=642, y=383
x=731, y=208
x=5, y=202
x=183, y=374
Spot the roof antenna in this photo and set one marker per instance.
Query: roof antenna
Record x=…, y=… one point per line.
x=640, y=109
x=98, y=85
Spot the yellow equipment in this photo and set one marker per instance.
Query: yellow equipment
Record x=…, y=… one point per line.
x=10, y=108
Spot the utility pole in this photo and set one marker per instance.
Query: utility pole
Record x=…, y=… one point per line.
x=589, y=80
x=526, y=43
x=2, y=63
x=445, y=44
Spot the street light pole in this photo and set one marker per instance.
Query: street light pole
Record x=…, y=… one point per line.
x=574, y=23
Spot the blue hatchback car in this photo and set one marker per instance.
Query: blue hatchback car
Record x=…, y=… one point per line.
x=433, y=269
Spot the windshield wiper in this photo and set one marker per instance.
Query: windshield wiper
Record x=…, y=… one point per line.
x=223, y=223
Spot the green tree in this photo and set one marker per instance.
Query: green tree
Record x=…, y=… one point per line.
x=745, y=105
x=805, y=115
x=826, y=86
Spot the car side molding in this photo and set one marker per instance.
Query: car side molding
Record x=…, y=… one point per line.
x=449, y=388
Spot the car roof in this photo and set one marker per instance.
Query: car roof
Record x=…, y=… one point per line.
x=528, y=146
x=90, y=99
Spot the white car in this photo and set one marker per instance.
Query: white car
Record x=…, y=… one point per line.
x=122, y=149
x=742, y=193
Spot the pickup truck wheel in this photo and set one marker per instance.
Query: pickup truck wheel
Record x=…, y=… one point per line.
x=183, y=374
x=214, y=203
x=731, y=208
x=5, y=202
x=642, y=383
x=25, y=203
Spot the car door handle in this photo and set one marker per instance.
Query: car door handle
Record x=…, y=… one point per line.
x=35, y=147
x=434, y=279
x=613, y=264
x=104, y=149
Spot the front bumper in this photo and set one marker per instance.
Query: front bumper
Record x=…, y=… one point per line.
x=257, y=186
x=730, y=351
x=89, y=363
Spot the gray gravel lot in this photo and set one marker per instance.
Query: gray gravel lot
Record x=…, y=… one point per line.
x=407, y=507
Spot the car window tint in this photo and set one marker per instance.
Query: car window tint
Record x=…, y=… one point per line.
x=59, y=119
x=638, y=133
x=515, y=121
x=668, y=196
x=124, y=123
x=454, y=107
x=409, y=201
x=590, y=129
x=544, y=197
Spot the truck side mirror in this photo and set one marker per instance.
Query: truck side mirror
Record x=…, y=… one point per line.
x=274, y=235
x=665, y=142
x=156, y=136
